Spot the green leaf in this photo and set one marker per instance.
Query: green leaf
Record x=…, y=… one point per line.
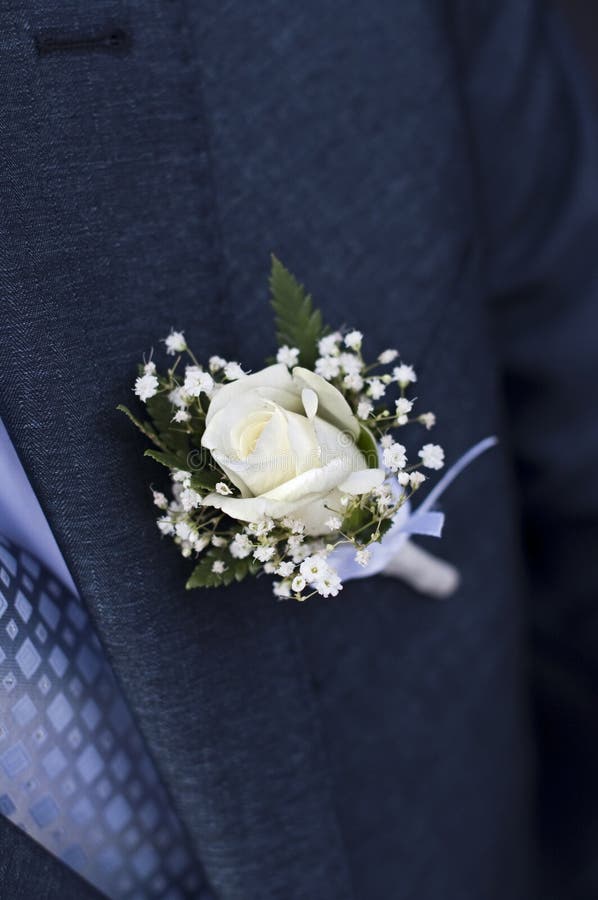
x=385, y=525
x=298, y=324
x=364, y=526
x=203, y=476
x=366, y=442
x=205, y=480
x=202, y=576
x=160, y=410
x=170, y=460
x=236, y=570
x=355, y=520
x=144, y=427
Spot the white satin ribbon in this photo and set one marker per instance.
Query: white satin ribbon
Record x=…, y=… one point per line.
x=396, y=556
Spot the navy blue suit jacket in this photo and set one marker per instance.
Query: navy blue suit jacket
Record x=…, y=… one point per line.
x=429, y=169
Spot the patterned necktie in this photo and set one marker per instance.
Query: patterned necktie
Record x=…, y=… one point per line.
x=74, y=770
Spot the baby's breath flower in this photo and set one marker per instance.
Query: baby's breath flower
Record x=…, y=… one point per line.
x=179, y=475
x=364, y=409
x=201, y=543
x=281, y=589
x=223, y=489
x=298, y=584
x=386, y=500
x=404, y=375
x=218, y=541
x=165, y=525
x=353, y=340
x=184, y=531
x=285, y=569
x=350, y=364
x=190, y=499
x=386, y=440
x=313, y=568
x=218, y=567
x=333, y=523
x=261, y=528
x=432, y=456
x=240, y=546
x=294, y=525
x=353, y=382
x=329, y=585
x=416, y=478
x=146, y=386
x=233, y=371
x=301, y=553
x=178, y=397
x=294, y=542
x=328, y=346
x=362, y=557
x=149, y=368
x=327, y=367
x=263, y=554
x=289, y=356
x=428, y=419
x=216, y=363
x=388, y=356
x=175, y=343
x=376, y=388
x=404, y=479
x=269, y=568
x=160, y=500
x=403, y=406
x=181, y=415
x=197, y=381
x=395, y=457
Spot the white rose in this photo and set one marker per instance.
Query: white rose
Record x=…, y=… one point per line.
x=287, y=442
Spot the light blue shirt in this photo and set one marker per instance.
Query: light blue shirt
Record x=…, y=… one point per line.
x=21, y=517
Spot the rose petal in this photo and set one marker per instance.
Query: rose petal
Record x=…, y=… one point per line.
x=303, y=442
x=332, y=406
x=313, y=482
x=362, y=482
x=309, y=399
x=276, y=376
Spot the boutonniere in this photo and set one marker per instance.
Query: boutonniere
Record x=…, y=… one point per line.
x=296, y=470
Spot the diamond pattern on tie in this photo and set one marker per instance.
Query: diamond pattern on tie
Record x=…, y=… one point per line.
x=74, y=772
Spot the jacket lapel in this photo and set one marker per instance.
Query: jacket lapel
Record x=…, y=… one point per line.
x=109, y=240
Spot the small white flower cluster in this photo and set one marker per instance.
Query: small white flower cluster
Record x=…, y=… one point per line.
x=147, y=384
x=344, y=367
x=315, y=575
x=288, y=356
x=341, y=362
x=185, y=393
x=197, y=382
x=280, y=547
x=377, y=394
x=229, y=369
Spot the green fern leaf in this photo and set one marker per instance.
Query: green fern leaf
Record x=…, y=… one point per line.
x=298, y=324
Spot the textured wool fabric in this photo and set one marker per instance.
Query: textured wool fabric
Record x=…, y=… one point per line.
x=27, y=870
x=424, y=168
